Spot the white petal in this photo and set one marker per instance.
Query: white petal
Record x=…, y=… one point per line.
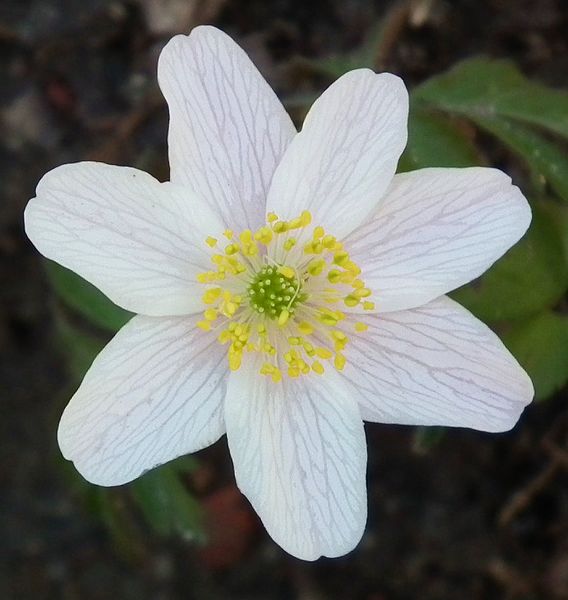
x=154, y=393
x=344, y=159
x=140, y=241
x=299, y=453
x=435, y=230
x=228, y=130
x=436, y=365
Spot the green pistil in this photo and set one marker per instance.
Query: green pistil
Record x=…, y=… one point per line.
x=272, y=292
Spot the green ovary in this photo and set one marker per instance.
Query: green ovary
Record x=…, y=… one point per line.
x=271, y=292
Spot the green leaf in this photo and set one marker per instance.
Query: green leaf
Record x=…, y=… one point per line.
x=81, y=347
x=532, y=276
x=486, y=88
x=436, y=141
x=547, y=160
x=558, y=214
x=167, y=505
x=113, y=511
x=541, y=346
x=184, y=464
x=471, y=85
x=86, y=299
x=427, y=438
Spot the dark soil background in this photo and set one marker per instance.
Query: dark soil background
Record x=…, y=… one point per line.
x=473, y=516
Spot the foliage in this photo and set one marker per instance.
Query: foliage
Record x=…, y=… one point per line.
x=84, y=324
x=540, y=344
x=165, y=502
x=454, y=118
x=522, y=293
x=531, y=277
x=495, y=96
x=84, y=298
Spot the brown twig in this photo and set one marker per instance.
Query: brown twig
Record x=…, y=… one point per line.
x=558, y=460
x=509, y=578
x=557, y=454
x=522, y=499
x=111, y=150
x=394, y=23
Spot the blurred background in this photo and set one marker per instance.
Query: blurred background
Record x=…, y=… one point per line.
x=452, y=514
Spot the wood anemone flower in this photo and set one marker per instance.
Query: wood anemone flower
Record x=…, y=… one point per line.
x=288, y=286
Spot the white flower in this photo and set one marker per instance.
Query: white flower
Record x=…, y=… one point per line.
x=288, y=286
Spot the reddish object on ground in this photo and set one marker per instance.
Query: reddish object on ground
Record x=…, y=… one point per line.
x=230, y=526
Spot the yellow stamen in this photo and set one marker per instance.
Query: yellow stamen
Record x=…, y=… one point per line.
x=286, y=271
x=339, y=361
x=258, y=286
x=317, y=367
x=283, y=318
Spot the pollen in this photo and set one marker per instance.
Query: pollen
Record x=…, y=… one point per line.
x=289, y=293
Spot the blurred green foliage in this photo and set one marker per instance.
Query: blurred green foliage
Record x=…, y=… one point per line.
x=496, y=97
x=158, y=500
x=497, y=89
x=540, y=345
x=531, y=277
x=454, y=118
x=524, y=293
x=436, y=141
x=167, y=506
x=84, y=298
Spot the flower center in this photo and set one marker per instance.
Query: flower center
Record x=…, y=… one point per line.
x=275, y=292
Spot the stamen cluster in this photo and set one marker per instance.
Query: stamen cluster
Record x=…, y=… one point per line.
x=275, y=292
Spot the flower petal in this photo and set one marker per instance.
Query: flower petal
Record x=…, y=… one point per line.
x=436, y=365
x=343, y=160
x=154, y=393
x=140, y=241
x=436, y=230
x=299, y=453
x=228, y=130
